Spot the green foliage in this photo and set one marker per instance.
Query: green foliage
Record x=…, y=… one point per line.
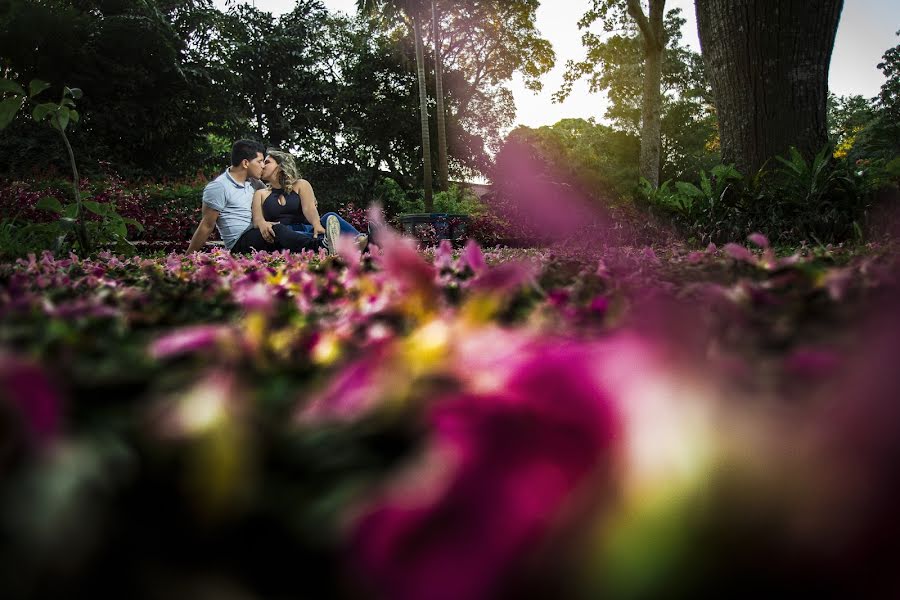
x=614, y=65
x=458, y=200
x=395, y=200
x=105, y=227
x=599, y=160
x=150, y=96
x=109, y=229
x=687, y=198
x=822, y=200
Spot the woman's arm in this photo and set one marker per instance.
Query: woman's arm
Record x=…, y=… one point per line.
x=308, y=205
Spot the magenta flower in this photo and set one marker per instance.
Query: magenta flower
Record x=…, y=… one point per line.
x=650, y=256
x=355, y=391
x=26, y=387
x=472, y=257
x=505, y=278
x=443, y=258
x=759, y=239
x=189, y=339
x=504, y=467
x=812, y=362
x=255, y=297
x=740, y=253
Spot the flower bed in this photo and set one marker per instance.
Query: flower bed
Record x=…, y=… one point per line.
x=489, y=423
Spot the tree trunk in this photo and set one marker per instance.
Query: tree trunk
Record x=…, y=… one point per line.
x=768, y=65
x=423, y=110
x=654, y=41
x=443, y=169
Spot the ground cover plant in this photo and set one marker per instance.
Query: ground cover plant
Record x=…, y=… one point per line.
x=628, y=422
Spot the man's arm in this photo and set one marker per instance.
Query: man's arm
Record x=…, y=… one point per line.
x=204, y=229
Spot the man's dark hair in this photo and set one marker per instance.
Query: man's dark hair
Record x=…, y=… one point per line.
x=245, y=150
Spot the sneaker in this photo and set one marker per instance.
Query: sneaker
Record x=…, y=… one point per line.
x=371, y=231
x=332, y=232
x=362, y=242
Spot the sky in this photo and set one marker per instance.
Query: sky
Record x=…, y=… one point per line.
x=867, y=28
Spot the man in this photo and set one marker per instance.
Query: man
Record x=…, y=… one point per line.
x=227, y=206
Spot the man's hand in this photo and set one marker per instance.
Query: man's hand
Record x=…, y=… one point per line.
x=265, y=228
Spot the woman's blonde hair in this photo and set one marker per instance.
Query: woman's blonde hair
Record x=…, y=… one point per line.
x=290, y=174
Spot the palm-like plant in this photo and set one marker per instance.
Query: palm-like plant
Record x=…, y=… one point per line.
x=411, y=12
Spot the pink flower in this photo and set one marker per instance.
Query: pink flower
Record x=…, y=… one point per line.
x=472, y=257
x=444, y=255
x=759, y=239
x=189, y=339
x=740, y=253
x=650, y=255
x=503, y=467
x=696, y=257
x=812, y=362
x=26, y=387
x=600, y=305
x=353, y=393
x=505, y=278
x=255, y=297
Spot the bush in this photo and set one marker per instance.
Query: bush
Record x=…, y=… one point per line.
x=160, y=216
x=824, y=200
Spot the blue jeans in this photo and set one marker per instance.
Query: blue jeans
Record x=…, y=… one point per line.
x=346, y=228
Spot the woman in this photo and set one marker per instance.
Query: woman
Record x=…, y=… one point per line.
x=290, y=200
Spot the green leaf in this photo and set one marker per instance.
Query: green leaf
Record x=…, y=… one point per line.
x=688, y=189
x=119, y=229
x=11, y=86
x=705, y=185
x=73, y=114
x=70, y=211
x=49, y=203
x=8, y=109
x=36, y=87
x=136, y=224
x=76, y=93
x=96, y=207
x=62, y=118
x=42, y=110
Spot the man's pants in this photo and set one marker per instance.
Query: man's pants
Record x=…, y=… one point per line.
x=285, y=239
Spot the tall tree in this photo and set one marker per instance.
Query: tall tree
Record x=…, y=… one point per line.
x=412, y=13
x=614, y=64
x=484, y=44
x=653, y=38
x=440, y=114
x=621, y=17
x=768, y=64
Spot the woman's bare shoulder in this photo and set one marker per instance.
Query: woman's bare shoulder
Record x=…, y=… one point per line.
x=302, y=184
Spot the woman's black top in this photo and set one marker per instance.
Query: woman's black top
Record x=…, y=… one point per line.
x=288, y=214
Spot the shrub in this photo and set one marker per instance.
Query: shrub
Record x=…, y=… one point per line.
x=825, y=200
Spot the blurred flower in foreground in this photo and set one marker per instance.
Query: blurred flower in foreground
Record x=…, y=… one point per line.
x=500, y=470
x=212, y=419
x=189, y=340
x=27, y=390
